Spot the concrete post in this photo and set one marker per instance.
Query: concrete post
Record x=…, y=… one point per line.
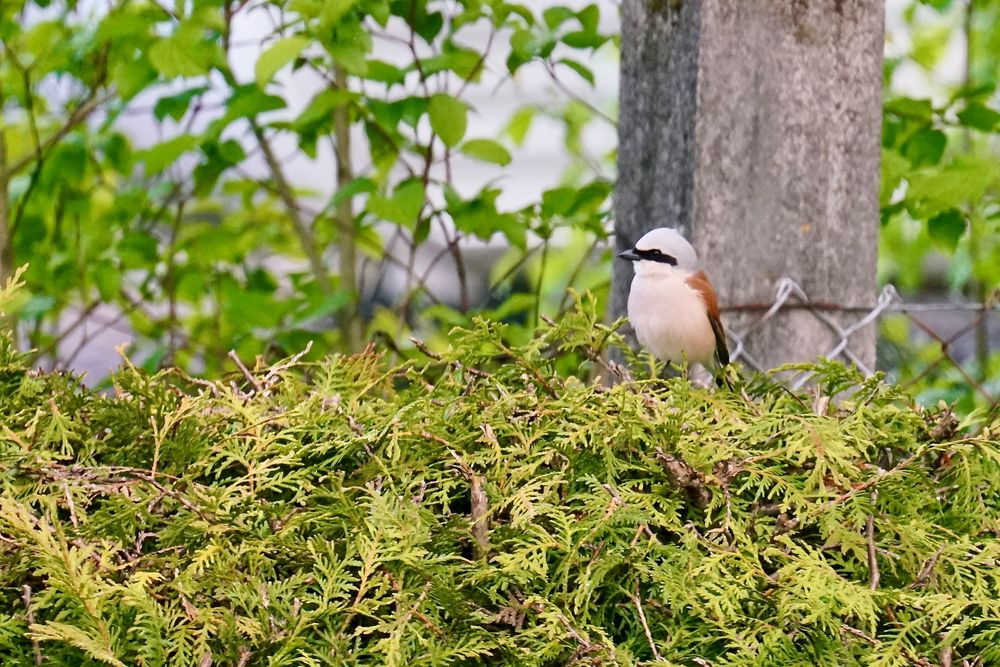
x=755, y=126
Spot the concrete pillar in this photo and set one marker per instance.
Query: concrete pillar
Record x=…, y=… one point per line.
x=754, y=125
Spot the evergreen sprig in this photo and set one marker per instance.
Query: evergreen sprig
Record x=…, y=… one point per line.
x=477, y=506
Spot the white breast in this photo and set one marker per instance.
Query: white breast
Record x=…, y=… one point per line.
x=669, y=319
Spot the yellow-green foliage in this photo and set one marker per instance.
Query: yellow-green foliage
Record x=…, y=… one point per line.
x=483, y=508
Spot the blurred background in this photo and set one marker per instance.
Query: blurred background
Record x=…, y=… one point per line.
x=191, y=178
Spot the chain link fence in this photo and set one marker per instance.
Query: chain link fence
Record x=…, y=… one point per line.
x=931, y=345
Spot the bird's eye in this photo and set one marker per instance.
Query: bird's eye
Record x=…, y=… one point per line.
x=655, y=252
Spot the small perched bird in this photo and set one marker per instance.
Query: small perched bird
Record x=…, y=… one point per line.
x=671, y=306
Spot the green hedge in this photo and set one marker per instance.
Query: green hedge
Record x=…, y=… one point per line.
x=479, y=507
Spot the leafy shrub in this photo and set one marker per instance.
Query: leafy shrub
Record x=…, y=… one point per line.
x=479, y=507
x=169, y=177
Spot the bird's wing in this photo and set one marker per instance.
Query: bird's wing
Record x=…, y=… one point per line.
x=699, y=283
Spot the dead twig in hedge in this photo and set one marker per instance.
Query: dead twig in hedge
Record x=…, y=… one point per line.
x=246, y=372
x=426, y=351
x=873, y=573
x=645, y=626
x=859, y=634
x=685, y=477
x=30, y=616
x=928, y=569
x=480, y=518
x=272, y=374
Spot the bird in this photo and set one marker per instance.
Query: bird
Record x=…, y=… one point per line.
x=671, y=304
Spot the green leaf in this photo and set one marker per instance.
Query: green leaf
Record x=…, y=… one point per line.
x=449, y=118
x=894, y=168
x=584, y=40
x=558, y=201
x=426, y=24
x=466, y=63
x=177, y=105
x=123, y=24
x=387, y=73
x=93, y=645
x=160, y=156
x=132, y=76
x=137, y=249
x=555, y=16
x=322, y=105
x=589, y=17
x=579, y=68
x=947, y=228
x=334, y=10
x=979, y=117
x=925, y=147
x=486, y=150
x=404, y=206
x=520, y=124
x=328, y=305
x=248, y=101
x=932, y=191
x=281, y=53
x=181, y=56
x=355, y=187
x=930, y=41
x=479, y=216
x=910, y=107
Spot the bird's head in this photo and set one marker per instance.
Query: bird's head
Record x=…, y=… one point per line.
x=661, y=250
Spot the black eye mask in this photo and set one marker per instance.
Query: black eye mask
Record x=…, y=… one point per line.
x=655, y=255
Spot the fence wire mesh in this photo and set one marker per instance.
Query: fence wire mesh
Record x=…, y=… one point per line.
x=936, y=352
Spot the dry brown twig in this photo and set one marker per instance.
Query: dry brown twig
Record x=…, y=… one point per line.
x=645, y=625
x=873, y=573
x=246, y=372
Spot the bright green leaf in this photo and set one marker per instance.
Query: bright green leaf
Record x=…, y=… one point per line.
x=160, y=156
x=279, y=54
x=932, y=191
x=355, y=187
x=486, y=150
x=449, y=118
x=403, y=207
x=555, y=16
x=520, y=124
x=176, y=57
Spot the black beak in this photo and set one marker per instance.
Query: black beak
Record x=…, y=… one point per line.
x=629, y=255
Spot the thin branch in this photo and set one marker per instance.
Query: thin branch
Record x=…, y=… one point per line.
x=273, y=374
x=350, y=321
x=873, y=573
x=246, y=372
x=645, y=625
x=925, y=572
x=550, y=68
x=287, y=196
x=78, y=116
x=480, y=518
x=30, y=615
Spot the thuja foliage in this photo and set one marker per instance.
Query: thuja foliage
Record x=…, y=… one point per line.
x=481, y=507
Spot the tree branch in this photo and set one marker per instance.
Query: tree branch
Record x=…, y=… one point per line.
x=287, y=196
x=350, y=323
